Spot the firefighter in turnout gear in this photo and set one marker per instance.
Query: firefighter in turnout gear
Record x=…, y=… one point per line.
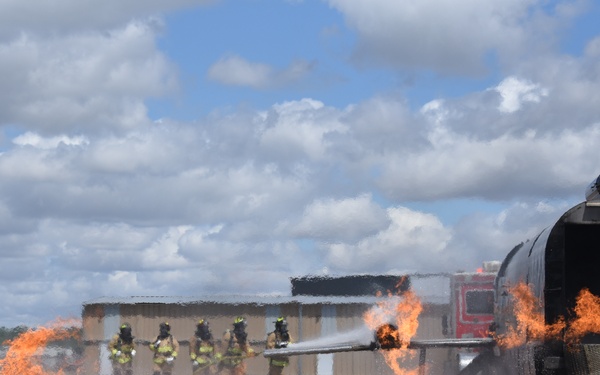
x=202, y=350
x=122, y=351
x=165, y=349
x=236, y=349
x=279, y=338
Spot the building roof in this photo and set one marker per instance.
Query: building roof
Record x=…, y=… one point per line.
x=230, y=299
x=352, y=285
x=430, y=288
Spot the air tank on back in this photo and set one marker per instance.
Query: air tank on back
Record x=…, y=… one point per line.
x=556, y=264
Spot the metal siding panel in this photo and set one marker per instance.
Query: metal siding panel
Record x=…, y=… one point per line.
x=430, y=326
x=328, y=327
x=112, y=322
x=273, y=312
x=93, y=322
x=311, y=328
x=349, y=317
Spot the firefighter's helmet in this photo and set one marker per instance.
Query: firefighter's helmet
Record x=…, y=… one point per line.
x=239, y=324
x=125, y=329
x=281, y=324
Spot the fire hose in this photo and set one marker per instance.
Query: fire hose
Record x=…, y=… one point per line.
x=385, y=339
x=413, y=344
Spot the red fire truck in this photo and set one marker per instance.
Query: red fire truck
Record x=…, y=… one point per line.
x=472, y=306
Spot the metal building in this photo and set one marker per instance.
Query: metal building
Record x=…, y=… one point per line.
x=308, y=317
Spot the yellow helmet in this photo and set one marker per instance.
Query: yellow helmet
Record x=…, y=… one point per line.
x=125, y=329
x=281, y=323
x=239, y=324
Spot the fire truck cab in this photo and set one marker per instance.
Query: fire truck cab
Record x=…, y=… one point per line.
x=472, y=307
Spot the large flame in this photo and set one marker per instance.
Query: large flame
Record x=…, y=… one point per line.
x=530, y=321
x=586, y=319
x=395, y=321
x=23, y=355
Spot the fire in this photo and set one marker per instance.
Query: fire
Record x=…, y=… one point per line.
x=587, y=317
x=530, y=322
x=529, y=317
x=23, y=353
x=395, y=321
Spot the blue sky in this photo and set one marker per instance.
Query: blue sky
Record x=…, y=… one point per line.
x=313, y=32
x=207, y=143
x=280, y=33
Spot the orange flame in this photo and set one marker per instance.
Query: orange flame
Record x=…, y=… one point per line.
x=587, y=317
x=23, y=355
x=395, y=321
x=529, y=317
x=530, y=322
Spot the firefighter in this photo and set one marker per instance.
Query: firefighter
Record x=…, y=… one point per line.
x=165, y=349
x=236, y=348
x=122, y=351
x=279, y=338
x=202, y=350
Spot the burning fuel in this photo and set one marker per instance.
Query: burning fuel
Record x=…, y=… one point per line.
x=24, y=352
x=587, y=317
x=395, y=322
x=529, y=324
x=529, y=320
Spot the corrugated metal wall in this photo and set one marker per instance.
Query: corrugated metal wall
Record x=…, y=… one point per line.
x=305, y=322
x=349, y=317
x=430, y=326
x=309, y=328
